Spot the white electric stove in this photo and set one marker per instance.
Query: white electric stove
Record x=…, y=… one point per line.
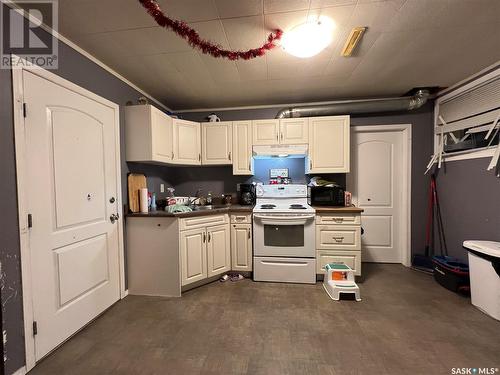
x=284, y=235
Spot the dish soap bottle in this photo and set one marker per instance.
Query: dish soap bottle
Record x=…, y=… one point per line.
x=209, y=198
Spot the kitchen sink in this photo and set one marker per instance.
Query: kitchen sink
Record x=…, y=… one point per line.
x=208, y=207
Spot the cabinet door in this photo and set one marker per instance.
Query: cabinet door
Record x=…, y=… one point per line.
x=265, y=132
x=294, y=131
x=161, y=134
x=218, y=250
x=329, y=144
x=217, y=143
x=187, y=142
x=242, y=148
x=193, y=255
x=241, y=247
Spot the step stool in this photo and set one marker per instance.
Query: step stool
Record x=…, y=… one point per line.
x=339, y=278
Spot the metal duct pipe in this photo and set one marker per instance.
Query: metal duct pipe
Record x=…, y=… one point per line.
x=346, y=107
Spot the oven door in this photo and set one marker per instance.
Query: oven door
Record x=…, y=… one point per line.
x=284, y=235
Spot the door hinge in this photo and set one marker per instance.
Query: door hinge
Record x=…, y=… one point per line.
x=30, y=221
x=24, y=109
x=35, y=328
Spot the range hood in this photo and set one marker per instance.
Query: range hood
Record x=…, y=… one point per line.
x=280, y=151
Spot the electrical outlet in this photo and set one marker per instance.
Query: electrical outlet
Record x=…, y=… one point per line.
x=162, y=188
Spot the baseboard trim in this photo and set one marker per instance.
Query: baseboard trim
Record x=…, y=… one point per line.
x=20, y=371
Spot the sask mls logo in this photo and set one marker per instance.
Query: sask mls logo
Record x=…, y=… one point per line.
x=474, y=370
x=25, y=37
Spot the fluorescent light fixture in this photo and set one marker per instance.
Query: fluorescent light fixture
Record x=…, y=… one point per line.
x=352, y=41
x=310, y=38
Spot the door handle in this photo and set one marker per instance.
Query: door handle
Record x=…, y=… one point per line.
x=199, y=157
x=229, y=155
x=112, y=200
x=249, y=230
x=209, y=237
x=277, y=137
x=310, y=164
x=113, y=218
x=204, y=237
x=281, y=136
x=172, y=155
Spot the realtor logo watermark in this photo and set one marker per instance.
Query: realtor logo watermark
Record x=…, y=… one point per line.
x=474, y=370
x=25, y=37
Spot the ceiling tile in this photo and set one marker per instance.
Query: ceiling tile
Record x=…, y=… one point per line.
x=252, y=70
x=277, y=6
x=331, y=3
x=189, y=10
x=221, y=70
x=420, y=14
x=232, y=8
x=245, y=32
x=211, y=31
x=297, y=69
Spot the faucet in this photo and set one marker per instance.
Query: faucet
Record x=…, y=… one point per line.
x=196, y=196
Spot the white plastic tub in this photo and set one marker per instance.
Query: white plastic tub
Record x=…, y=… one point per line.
x=484, y=268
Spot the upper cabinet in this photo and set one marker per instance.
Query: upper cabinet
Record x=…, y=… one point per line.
x=294, y=131
x=217, y=142
x=242, y=148
x=329, y=144
x=265, y=132
x=148, y=134
x=187, y=142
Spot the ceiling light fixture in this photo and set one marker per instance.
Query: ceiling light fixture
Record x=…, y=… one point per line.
x=308, y=39
x=352, y=41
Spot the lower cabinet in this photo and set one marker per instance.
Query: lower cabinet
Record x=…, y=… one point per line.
x=241, y=247
x=205, y=251
x=338, y=239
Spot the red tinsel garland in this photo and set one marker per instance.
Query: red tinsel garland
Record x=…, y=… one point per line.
x=207, y=47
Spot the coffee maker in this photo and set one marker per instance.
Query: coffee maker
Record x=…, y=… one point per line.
x=246, y=194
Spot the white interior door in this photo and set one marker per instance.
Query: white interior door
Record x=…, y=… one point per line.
x=71, y=192
x=376, y=184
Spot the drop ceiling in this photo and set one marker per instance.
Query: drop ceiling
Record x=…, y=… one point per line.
x=409, y=43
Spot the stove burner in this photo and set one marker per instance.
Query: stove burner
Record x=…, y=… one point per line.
x=267, y=206
x=297, y=207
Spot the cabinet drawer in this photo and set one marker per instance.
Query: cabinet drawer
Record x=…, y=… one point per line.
x=338, y=237
x=350, y=258
x=339, y=219
x=202, y=221
x=241, y=218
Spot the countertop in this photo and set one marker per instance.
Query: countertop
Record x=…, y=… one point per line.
x=213, y=211
x=339, y=210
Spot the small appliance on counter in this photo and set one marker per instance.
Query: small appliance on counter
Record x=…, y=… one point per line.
x=246, y=194
x=325, y=196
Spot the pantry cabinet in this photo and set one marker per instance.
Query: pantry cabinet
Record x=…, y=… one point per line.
x=148, y=134
x=329, y=144
x=205, y=249
x=186, y=142
x=217, y=143
x=265, y=132
x=242, y=148
x=294, y=131
x=241, y=243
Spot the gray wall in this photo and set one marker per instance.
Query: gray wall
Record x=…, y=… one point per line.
x=78, y=69
x=470, y=203
x=422, y=148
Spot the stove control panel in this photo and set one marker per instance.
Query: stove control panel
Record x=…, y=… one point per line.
x=282, y=191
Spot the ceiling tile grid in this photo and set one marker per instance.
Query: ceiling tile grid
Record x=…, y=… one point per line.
x=408, y=43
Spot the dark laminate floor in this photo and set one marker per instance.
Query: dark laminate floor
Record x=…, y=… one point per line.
x=406, y=324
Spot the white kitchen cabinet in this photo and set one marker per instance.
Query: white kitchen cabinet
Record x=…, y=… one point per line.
x=241, y=247
x=329, y=144
x=217, y=143
x=205, y=248
x=294, y=131
x=218, y=250
x=338, y=239
x=186, y=142
x=193, y=255
x=148, y=134
x=265, y=132
x=242, y=148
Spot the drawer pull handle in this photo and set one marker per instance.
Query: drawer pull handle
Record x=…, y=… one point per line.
x=240, y=217
x=338, y=219
x=338, y=239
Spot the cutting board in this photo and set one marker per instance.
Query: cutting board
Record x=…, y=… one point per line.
x=136, y=182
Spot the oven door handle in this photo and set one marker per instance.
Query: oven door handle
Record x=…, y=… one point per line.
x=283, y=220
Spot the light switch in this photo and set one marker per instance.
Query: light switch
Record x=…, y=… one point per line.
x=162, y=188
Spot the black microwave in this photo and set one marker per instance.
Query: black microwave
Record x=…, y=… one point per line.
x=325, y=196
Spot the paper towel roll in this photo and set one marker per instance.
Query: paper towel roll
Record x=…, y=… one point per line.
x=143, y=200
